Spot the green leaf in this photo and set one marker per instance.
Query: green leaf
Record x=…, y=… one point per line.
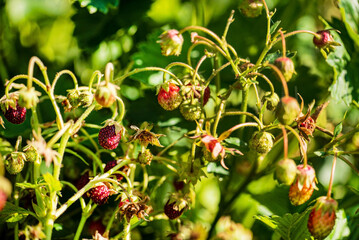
x=58, y=226
x=12, y=213
x=5, y=147
x=267, y=221
x=341, y=229
x=271, y=57
x=77, y=155
x=99, y=5
x=217, y=169
x=274, y=27
x=54, y=185
x=349, y=10
x=338, y=129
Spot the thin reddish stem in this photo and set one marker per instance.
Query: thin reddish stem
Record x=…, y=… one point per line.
x=283, y=43
x=280, y=75
x=332, y=176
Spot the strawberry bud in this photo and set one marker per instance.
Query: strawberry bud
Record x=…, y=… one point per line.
x=322, y=217
x=86, y=98
x=251, y=8
x=261, y=142
x=325, y=40
x=145, y=157
x=73, y=96
x=191, y=109
x=272, y=100
x=287, y=110
x=171, y=43
x=28, y=97
x=286, y=66
x=302, y=189
x=15, y=162
x=106, y=95
x=286, y=171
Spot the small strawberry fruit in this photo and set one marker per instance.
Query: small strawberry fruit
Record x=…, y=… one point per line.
x=15, y=115
x=286, y=171
x=322, y=217
x=99, y=194
x=325, y=40
x=106, y=95
x=31, y=153
x=73, y=96
x=251, y=8
x=86, y=98
x=169, y=97
x=84, y=179
x=261, y=142
x=191, y=109
x=113, y=163
x=110, y=135
x=286, y=66
x=272, y=100
x=5, y=191
x=171, y=42
x=145, y=157
x=14, y=162
x=287, y=110
x=172, y=210
x=302, y=189
x=28, y=97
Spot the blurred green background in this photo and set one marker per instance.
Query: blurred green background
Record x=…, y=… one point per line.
x=84, y=35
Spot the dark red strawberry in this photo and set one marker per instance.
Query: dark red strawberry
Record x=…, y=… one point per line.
x=84, y=179
x=171, y=211
x=322, y=217
x=15, y=115
x=108, y=137
x=99, y=194
x=169, y=97
x=113, y=163
x=96, y=226
x=3, y=198
x=179, y=185
x=206, y=94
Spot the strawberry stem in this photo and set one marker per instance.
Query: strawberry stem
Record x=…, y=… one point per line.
x=99, y=75
x=332, y=176
x=285, y=142
x=284, y=50
x=109, y=73
x=282, y=79
x=305, y=161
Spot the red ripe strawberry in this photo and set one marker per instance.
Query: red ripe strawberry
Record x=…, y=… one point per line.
x=322, y=217
x=3, y=198
x=169, y=97
x=113, y=163
x=96, y=226
x=15, y=115
x=108, y=137
x=302, y=189
x=99, y=194
x=171, y=211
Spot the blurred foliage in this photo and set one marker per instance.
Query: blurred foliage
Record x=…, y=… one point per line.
x=84, y=35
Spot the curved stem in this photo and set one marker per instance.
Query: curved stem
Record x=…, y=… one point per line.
x=212, y=44
x=146, y=69
x=267, y=80
x=23, y=76
x=294, y=33
x=197, y=67
x=109, y=72
x=173, y=64
x=59, y=74
x=202, y=29
x=300, y=143
x=280, y=75
x=121, y=109
x=226, y=134
x=99, y=76
x=244, y=113
x=35, y=60
x=229, y=21
x=332, y=176
x=268, y=36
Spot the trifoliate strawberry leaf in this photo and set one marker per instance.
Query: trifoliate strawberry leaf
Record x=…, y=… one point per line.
x=12, y=213
x=99, y=5
x=350, y=14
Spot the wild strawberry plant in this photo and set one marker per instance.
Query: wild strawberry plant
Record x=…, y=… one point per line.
x=119, y=178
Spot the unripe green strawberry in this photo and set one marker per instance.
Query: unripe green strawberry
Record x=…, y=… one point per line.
x=272, y=100
x=171, y=42
x=286, y=66
x=105, y=95
x=322, y=217
x=169, y=97
x=28, y=97
x=251, y=8
x=261, y=142
x=302, y=189
x=73, y=96
x=191, y=109
x=286, y=171
x=145, y=157
x=31, y=153
x=287, y=110
x=86, y=98
x=14, y=162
